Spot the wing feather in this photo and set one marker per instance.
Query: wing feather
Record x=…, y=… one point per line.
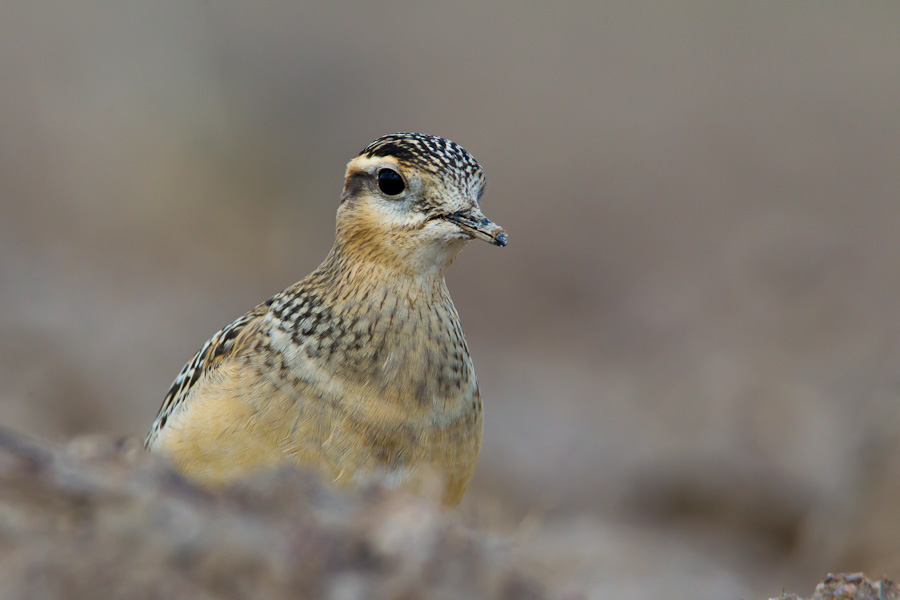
x=226, y=343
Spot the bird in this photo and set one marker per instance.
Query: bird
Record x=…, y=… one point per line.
x=360, y=370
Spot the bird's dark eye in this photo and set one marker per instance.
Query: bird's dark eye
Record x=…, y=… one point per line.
x=390, y=182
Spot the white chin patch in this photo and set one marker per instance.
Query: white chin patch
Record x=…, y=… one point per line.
x=446, y=231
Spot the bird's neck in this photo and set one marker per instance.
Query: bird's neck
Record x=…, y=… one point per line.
x=355, y=275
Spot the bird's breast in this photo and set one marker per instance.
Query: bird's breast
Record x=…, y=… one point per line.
x=402, y=359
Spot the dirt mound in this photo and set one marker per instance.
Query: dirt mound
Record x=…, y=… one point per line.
x=100, y=519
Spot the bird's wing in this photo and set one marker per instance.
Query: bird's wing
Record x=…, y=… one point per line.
x=226, y=343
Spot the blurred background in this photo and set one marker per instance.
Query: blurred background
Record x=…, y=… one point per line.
x=690, y=350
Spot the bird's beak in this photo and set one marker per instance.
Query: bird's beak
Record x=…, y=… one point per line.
x=473, y=221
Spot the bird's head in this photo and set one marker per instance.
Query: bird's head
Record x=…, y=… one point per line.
x=412, y=199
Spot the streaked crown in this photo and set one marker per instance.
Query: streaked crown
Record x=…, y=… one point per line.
x=436, y=155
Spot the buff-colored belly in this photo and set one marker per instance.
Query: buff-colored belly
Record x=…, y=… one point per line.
x=235, y=424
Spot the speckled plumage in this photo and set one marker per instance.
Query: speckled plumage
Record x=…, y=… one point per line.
x=361, y=369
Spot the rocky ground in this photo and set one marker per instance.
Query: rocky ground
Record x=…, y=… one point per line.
x=852, y=586
x=100, y=518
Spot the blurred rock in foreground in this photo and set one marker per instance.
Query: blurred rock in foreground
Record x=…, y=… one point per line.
x=100, y=519
x=852, y=586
